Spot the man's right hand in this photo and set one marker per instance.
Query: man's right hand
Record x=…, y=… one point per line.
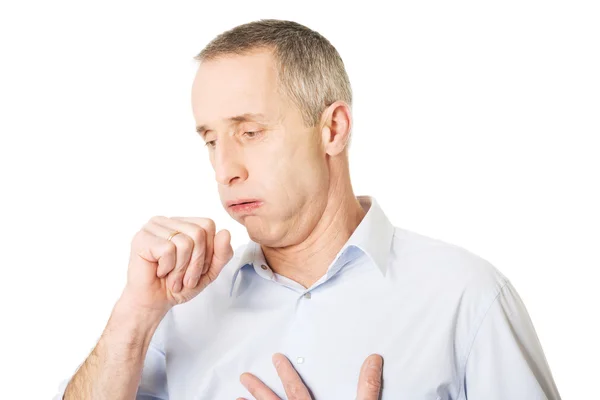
x=164, y=273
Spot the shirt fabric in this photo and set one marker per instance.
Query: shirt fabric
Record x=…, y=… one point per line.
x=447, y=323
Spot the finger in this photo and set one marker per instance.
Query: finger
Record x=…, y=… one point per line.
x=257, y=388
x=158, y=251
x=209, y=227
x=221, y=256
x=203, y=243
x=292, y=383
x=194, y=269
x=369, y=381
x=201, y=230
x=184, y=245
x=158, y=232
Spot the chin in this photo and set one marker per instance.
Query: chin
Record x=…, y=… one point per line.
x=260, y=232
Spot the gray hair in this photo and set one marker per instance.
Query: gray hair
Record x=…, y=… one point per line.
x=311, y=72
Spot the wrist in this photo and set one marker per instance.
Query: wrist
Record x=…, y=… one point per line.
x=129, y=305
x=131, y=325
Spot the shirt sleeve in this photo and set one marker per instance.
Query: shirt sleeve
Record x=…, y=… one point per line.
x=506, y=360
x=153, y=385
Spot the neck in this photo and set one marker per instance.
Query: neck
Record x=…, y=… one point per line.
x=308, y=261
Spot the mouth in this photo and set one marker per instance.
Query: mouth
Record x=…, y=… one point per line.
x=244, y=205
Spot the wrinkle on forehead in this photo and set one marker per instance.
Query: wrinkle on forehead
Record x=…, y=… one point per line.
x=229, y=86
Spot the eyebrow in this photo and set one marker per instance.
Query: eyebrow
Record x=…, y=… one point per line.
x=201, y=129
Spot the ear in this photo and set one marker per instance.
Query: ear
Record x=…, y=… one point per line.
x=336, y=123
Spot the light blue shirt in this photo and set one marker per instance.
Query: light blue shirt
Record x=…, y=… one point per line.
x=448, y=324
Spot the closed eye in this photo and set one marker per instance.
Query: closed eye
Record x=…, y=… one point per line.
x=211, y=143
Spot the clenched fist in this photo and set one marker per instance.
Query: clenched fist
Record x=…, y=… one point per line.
x=165, y=273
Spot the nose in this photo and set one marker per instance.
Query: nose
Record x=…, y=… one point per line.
x=228, y=162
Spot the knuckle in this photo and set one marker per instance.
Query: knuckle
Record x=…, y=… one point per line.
x=294, y=392
x=185, y=248
x=205, y=220
x=210, y=226
x=171, y=249
x=156, y=219
x=187, y=243
x=199, y=236
x=373, y=383
x=139, y=236
x=196, y=264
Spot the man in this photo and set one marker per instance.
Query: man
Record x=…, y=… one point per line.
x=327, y=284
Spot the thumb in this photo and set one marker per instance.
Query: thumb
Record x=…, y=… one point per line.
x=222, y=253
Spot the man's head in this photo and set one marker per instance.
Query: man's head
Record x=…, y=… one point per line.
x=288, y=93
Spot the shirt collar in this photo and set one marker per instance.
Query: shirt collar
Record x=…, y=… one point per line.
x=373, y=236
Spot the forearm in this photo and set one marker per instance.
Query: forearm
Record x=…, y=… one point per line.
x=113, y=369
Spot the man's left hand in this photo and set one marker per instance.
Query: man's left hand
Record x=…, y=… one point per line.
x=369, y=381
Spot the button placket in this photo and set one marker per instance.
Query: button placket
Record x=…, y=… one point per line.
x=298, y=342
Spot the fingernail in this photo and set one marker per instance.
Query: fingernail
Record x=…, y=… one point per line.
x=192, y=282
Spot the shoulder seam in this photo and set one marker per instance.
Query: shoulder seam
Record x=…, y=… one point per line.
x=474, y=336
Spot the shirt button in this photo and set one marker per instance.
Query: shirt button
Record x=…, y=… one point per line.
x=300, y=360
x=307, y=295
x=264, y=267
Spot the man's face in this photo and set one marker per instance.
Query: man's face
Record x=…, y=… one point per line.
x=282, y=164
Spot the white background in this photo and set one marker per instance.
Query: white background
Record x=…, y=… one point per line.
x=475, y=123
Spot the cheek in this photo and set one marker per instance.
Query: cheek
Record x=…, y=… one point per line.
x=291, y=166
x=299, y=172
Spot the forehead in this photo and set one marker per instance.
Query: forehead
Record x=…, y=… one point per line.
x=234, y=85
